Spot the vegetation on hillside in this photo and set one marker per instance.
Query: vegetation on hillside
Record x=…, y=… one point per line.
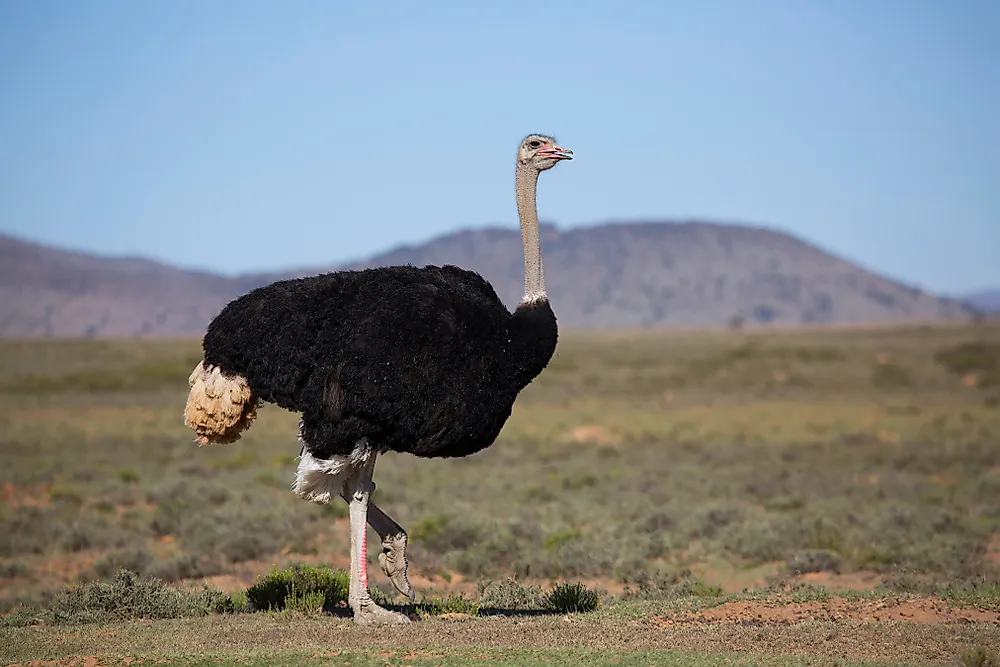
x=635, y=458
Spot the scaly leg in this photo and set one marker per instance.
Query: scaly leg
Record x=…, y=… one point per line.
x=392, y=558
x=365, y=610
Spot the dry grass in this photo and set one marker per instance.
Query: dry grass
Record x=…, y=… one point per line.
x=653, y=465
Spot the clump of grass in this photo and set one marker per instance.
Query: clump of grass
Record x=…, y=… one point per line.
x=980, y=656
x=66, y=495
x=975, y=357
x=128, y=596
x=561, y=537
x=133, y=560
x=890, y=375
x=456, y=603
x=662, y=586
x=572, y=599
x=184, y=566
x=310, y=604
x=128, y=475
x=808, y=593
x=299, y=587
x=234, y=603
x=440, y=533
x=13, y=568
x=813, y=560
x=88, y=532
x=983, y=594
x=509, y=594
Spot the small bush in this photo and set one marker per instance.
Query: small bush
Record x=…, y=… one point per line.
x=128, y=475
x=289, y=588
x=980, y=656
x=453, y=604
x=310, y=604
x=572, y=598
x=87, y=532
x=66, y=495
x=29, y=530
x=133, y=560
x=184, y=566
x=890, y=375
x=13, y=568
x=509, y=594
x=559, y=538
x=128, y=596
x=440, y=533
x=668, y=587
x=237, y=533
x=969, y=357
x=819, y=560
x=235, y=603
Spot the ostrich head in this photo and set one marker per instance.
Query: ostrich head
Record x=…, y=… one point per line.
x=541, y=152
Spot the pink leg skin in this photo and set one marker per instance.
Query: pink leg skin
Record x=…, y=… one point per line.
x=366, y=612
x=392, y=558
x=364, y=561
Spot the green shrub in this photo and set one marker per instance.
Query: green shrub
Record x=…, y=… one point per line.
x=128, y=596
x=311, y=604
x=453, y=604
x=978, y=357
x=509, y=594
x=29, y=530
x=133, y=560
x=890, y=375
x=291, y=587
x=90, y=532
x=668, y=587
x=235, y=603
x=13, y=568
x=572, y=598
x=817, y=560
x=980, y=656
x=440, y=533
x=128, y=475
x=561, y=537
x=184, y=566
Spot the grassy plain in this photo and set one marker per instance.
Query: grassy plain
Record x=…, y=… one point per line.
x=813, y=487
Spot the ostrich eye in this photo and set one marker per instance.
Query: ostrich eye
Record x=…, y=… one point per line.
x=535, y=144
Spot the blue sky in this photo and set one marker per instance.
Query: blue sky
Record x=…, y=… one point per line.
x=247, y=135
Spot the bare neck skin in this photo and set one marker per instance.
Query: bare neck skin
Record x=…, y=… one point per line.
x=526, y=182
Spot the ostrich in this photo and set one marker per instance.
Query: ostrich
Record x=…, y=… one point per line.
x=426, y=361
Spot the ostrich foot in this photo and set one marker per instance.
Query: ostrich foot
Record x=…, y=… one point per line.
x=369, y=613
x=393, y=561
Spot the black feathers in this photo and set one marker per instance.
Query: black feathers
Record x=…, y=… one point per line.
x=420, y=360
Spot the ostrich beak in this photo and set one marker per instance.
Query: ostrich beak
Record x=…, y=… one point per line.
x=557, y=152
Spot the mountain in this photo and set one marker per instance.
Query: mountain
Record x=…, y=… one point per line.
x=624, y=274
x=987, y=301
x=50, y=292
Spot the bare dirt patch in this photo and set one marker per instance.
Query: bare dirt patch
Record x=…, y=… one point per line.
x=25, y=496
x=928, y=611
x=69, y=661
x=993, y=550
x=862, y=580
x=591, y=433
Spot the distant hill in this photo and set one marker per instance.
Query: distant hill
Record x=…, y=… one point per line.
x=624, y=274
x=987, y=301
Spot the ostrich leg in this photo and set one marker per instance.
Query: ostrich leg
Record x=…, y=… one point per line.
x=392, y=558
x=366, y=612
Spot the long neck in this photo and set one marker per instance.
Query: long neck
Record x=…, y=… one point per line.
x=526, y=183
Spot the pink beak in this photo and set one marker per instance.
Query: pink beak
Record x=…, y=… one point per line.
x=557, y=152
